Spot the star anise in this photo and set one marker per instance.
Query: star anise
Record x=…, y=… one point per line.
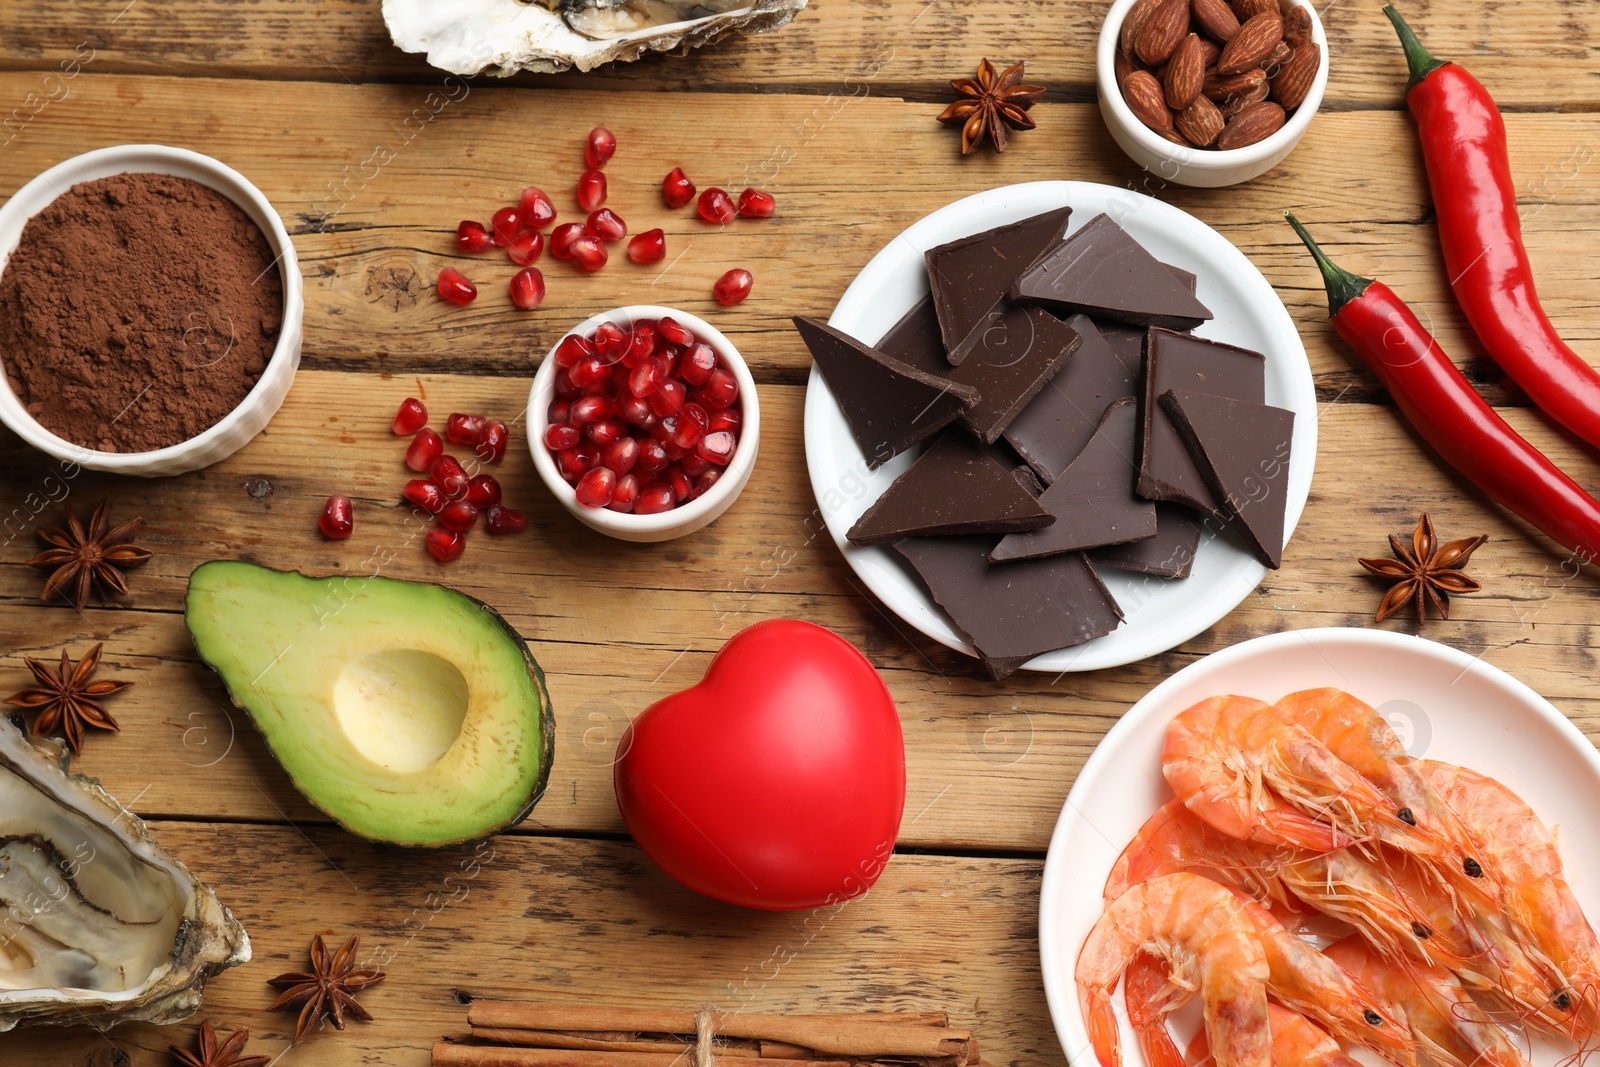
x=82, y=559
x=68, y=700
x=229, y=1053
x=1425, y=572
x=990, y=103
x=327, y=990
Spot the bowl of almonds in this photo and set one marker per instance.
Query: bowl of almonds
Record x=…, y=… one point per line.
x=1210, y=92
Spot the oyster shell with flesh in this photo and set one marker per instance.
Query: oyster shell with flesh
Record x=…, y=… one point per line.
x=97, y=924
x=505, y=36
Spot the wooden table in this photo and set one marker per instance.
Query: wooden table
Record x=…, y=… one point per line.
x=835, y=116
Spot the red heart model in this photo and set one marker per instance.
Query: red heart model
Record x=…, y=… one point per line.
x=777, y=782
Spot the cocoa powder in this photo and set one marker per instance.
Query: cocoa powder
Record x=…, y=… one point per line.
x=137, y=311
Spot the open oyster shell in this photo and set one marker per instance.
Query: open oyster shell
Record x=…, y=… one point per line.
x=505, y=36
x=97, y=924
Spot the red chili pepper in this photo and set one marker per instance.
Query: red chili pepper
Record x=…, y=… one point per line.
x=1464, y=147
x=1442, y=406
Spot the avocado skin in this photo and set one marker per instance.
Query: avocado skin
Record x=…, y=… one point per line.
x=535, y=674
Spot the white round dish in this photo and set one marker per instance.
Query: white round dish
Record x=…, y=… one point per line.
x=1443, y=704
x=1160, y=614
x=665, y=525
x=1200, y=167
x=239, y=426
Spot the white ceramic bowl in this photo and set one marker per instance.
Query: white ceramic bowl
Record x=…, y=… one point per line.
x=1160, y=614
x=665, y=525
x=1442, y=703
x=241, y=424
x=1202, y=167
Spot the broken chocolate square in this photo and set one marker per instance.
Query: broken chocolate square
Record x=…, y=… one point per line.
x=970, y=276
x=1054, y=427
x=915, y=340
x=1169, y=554
x=1020, y=353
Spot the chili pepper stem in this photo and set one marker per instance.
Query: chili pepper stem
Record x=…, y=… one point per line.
x=1421, y=61
x=1342, y=286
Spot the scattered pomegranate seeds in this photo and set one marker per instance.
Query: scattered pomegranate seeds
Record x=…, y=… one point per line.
x=754, y=204
x=425, y=447
x=676, y=189
x=425, y=495
x=716, y=207
x=648, y=247
x=591, y=189
x=338, y=518
x=472, y=238
x=535, y=209
x=449, y=475
x=458, y=516
x=590, y=252
x=600, y=147
x=505, y=224
x=492, y=447
x=483, y=490
x=527, y=288
x=733, y=287
x=411, y=417
x=462, y=429
x=445, y=545
x=454, y=287
x=562, y=237
x=525, y=247
x=502, y=520
x=606, y=225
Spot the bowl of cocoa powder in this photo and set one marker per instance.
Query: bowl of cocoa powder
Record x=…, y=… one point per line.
x=150, y=311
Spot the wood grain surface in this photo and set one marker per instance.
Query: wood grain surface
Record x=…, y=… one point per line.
x=834, y=115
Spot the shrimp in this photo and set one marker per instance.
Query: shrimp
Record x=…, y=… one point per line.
x=1448, y=1027
x=1200, y=930
x=1150, y=996
x=1174, y=839
x=1296, y=1042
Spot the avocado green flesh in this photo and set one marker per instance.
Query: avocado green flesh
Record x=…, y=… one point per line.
x=409, y=712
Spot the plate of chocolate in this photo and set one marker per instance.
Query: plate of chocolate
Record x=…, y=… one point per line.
x=1059, y=426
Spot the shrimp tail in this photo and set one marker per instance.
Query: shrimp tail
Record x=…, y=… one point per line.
x=1285, y=826
x=1149, y=996
x=1101, y=1021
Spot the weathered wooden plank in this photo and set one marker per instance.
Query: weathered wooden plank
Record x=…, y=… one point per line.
x=592, y=922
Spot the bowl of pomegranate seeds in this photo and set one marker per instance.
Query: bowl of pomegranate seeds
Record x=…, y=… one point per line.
x=643, y=421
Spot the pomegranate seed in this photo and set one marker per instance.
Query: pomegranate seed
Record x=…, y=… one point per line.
x=716, y=207
x=722, y=389
x=562, y=436
x=445, y=545
x=505, y=224
x=668, y=398
x=571, y=349
x=423, y=450
x=680, y=483
x=641, y=342
x=648, y=247
x=458, y=515
x=653, y=458
x=527, y=287
x=626, y=494
x=525, y=247
x=472, y=238
x=411, y=417
x=754, y=204
x=565, y=386
x=561, y=239
x=716, y=447
x=454, y=287
x=535, y=209
x=606, y=225
x=697, y=364
x=693, y=465
x=674, y=332
x=464, y=429
x=705, y=482
x=610, y=342
x=646, y=377
x=338, y=518
x=605, y=432
x=559, y=411
x=635, y=410
x=692, y=423
x=593, y=409
x=655, y=499
x=676, y=189
x=726, y=419
x=590, y=253
x=425, y=495
x=483, y=490
x=600, y=147
x=733, y=287
x=620, y=456
x=492, y=448
x=596, y=488
x=591, y=189
x=589, y=371
x=449, y=475
x=502, y=520
x=571, y=464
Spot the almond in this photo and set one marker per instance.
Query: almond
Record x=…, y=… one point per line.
x=1232, y=105
x=1255, y=123
x=1186, y=72
x=1200, y=122
x=1209, y=51
x=1220, y=87
x=1216, y=19
x=1121, y=68
x=1147, y=100
x=1134, y=21
x=1294, y=78
x=1249, y=9
x=1253, y=43
x=1161, y=34
x=1279, y=55
x=1297, y=26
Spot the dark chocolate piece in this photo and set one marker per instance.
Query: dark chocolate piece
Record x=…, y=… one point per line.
x=970, y=276
x=1028, y=480
x=915, y=340
x=1055, y=426
x=890, y=406
x=955, y=487
x=1169, y=554
x=1176, y=361
x=1126, y=342
x=1243, y=451
x=1093, y=499
x=1013, y=611
x=1102, y=271
x=1019, y=354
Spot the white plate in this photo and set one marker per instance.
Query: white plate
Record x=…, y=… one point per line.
x=1161, y=614
x=1444, y=705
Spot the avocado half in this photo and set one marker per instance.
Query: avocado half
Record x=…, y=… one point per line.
x=409, y=712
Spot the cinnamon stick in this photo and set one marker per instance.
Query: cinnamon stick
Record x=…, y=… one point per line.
x=446, y=1054
x=613, y=1041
